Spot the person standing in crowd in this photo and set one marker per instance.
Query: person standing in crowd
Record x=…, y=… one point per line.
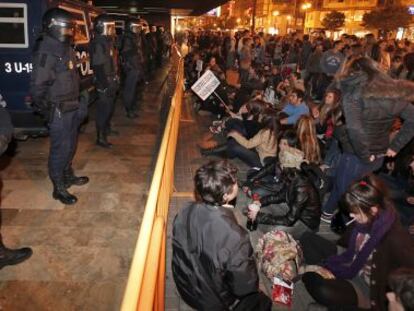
x=371, y=100
x=151, y=42
x=55, y=93
x=132, y=67
x=401, y=296
x=160, y=45
x=213, y=262
x=103, y=61
x=9, y=256
x=331, y=61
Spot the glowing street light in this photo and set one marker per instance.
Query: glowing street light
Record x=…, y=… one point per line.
x=275, y=13
x=238, y=20
x=288, y=17
x=306, y=6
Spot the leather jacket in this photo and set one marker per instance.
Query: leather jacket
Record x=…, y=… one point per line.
x=302, y=198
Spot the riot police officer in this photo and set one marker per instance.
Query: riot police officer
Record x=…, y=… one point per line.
x=9, y=256
x=55, y=93
x=104, y=64
x=132, y=65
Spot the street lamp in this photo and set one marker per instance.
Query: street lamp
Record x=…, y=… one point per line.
x=238, y=20
x=275, y=13
x=306, y=6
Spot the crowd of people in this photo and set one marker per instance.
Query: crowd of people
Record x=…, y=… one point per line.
x=326, y=129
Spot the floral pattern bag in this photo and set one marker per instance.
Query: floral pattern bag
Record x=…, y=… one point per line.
x=279, y=255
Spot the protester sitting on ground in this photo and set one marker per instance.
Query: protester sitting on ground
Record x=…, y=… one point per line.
x=247, y=122
x=212, y=262
x=259, y=149
x=376, y=245
x=308, y=141
x=215, y=68
x=401, y=296
x=295, y=108
x=371, y=101
x=296, y=208
x=266, y=181
x=296, y=82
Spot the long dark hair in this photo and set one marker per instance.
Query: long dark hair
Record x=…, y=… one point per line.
x=333, y=111
x=364, y=194
x=270, y=122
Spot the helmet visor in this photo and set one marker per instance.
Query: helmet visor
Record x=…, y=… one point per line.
x=109, y=29
x=135, y=28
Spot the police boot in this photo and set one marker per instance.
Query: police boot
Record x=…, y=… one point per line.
x=70, y=179
x=131, y=114
x=60, y=193
x=102, y=141
x=13, y=256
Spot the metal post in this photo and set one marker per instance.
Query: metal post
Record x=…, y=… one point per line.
x=254, y=15
x=295, y=15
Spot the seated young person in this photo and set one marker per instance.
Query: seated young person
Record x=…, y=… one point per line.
x=376, y=245
x=295, y=108
x=267, y=179
x=259, y=149
x=297, y=207
x=213, y=263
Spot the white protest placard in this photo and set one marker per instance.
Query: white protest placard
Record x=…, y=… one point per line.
x=206, y=85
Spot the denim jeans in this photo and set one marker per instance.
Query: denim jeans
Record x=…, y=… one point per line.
x=350, y=168
x=248, y=156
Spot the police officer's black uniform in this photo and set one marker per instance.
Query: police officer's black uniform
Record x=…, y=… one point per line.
x=55, y=92
x=104, y=64
x=132, y=66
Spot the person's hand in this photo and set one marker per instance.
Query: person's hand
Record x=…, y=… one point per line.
x=372, y=158
x=284, y=121
x=324, y=167
x=390, y=153
x=410, y=200
x=252, y=214
x=243, y=109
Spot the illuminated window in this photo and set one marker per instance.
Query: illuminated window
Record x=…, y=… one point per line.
x=13, y=20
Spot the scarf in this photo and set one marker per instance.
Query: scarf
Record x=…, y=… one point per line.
x=348, y=264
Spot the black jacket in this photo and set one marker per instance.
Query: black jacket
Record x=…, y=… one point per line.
x=103, y=61
x=55, y=79
x=302, y=198
x=213, y=261
x=370, y=108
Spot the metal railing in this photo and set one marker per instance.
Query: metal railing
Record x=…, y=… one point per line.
x=146, y=281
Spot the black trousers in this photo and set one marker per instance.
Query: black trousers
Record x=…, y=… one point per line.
x=63, y=134
x=104, y=110
x=130, y=89
x=336, y=294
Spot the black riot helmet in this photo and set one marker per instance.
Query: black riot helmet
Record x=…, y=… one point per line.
x=105, y=25
x=60, y=24
x=133, y=25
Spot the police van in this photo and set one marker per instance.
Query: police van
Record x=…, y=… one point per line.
x=20, y=26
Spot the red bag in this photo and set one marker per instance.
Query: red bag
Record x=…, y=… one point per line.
x=282, y=292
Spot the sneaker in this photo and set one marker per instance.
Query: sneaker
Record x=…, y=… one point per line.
x=326, y=217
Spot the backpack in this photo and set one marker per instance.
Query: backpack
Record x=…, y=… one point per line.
x=279, y=254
